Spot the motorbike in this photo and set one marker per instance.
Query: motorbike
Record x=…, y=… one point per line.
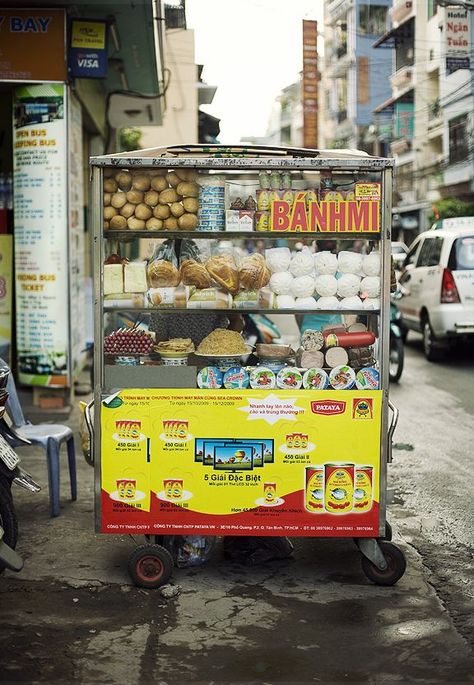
x=397, y=350
x=10, y=472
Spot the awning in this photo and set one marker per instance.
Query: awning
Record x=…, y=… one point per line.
x=396, y=35
x=388, y=104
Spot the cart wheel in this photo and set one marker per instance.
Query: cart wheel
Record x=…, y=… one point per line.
x=388, y=533
x=150, y=566
x=396, y=565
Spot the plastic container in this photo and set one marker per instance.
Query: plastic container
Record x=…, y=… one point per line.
x=211, y=213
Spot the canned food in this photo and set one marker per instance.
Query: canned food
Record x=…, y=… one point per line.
x=236, y=377
x=262, y=377
x=367, y=379
x=289, y=378
x=269, y=492
x=315, y=379
x=209, y=377
x=339, y=488
x=342, y=377
x=363, y=488
x=314, y=489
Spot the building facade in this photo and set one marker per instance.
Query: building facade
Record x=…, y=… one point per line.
x=428, y=118
x=354, y=75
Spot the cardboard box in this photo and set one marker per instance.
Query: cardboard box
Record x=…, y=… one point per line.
x=239, y=220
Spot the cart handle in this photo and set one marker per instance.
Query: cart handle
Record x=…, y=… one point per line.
x=391, y=430
x=90, y=427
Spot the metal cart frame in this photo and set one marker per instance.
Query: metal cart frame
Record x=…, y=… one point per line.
x=378, y=559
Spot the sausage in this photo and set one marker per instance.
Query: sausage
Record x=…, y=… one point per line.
x=343, y=339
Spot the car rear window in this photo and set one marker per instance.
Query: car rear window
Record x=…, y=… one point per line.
x=462, y=254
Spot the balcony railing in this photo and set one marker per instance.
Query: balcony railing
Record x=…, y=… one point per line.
x=402, y=78
x=400, y=146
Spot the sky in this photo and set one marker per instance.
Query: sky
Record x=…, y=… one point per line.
x=250, y=50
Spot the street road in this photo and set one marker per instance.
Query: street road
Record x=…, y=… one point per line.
x=433, y=475
x=72, y=615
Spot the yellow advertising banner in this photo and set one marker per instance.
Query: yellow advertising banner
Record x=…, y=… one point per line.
x=246, y=462
x=33, y=45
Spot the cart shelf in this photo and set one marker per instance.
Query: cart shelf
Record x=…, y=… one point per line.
x=221, y=235
x=175, y=310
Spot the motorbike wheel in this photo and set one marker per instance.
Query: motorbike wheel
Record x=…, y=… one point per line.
x=396, y=359
x=8, y=519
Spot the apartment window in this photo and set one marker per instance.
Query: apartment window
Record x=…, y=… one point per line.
x=372, y=20
x=458, y=139
x=432, y=8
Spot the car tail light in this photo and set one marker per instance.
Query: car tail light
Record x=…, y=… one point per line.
x=449, y=292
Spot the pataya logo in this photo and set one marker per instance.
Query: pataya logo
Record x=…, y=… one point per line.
x=328, y=407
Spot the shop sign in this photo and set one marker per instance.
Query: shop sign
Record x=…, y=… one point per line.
x=249, y=462
x=325, y=216
x=404, y=125
x=88, y=49
x=41, y=236
x=6, y=299
x=457, y=31
x=32, y=45
x=310, y=84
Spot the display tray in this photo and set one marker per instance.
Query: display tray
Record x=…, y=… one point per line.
x=130, y=233
x=149, y=376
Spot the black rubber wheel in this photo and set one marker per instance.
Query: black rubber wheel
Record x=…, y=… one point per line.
x=395, y=359
x=433, y=352
x=150, y=566
x=396, y=565
x=388, y=532
x=8, y=519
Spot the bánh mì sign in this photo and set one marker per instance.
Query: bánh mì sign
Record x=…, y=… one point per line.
x=325, y=216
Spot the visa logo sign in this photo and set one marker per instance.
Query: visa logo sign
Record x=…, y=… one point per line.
x=87, y=63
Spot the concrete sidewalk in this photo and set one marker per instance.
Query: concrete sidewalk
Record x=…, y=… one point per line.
x=73, y=616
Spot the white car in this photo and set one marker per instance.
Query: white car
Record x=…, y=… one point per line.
x=436, y=295
x=399, y=252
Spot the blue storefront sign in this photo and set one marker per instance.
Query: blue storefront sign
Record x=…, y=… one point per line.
x=88, y=49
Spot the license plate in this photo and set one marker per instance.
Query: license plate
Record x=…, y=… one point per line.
x=8, y=454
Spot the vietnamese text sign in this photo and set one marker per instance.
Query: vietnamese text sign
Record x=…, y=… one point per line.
x=310, y=84
x=325, y=216
x=244, y=462
x=40, y=215
x=457, y=39
x=6, y=298
x=88, y=50
x=32, y=45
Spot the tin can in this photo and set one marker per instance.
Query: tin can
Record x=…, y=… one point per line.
x=126, y=488
x=269, y=492
x=262, y=221
x=262, y=377
x=339, y=488
x=236, y=377
x=363, y=491
x=127, y=361
x=264, y=180
x=314, y=489
x=263, y=200
x=173, y=488
x=275, y=180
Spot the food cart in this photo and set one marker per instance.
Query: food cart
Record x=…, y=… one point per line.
x=197, y=430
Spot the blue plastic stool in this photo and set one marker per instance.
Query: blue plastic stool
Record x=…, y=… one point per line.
x=50, y=437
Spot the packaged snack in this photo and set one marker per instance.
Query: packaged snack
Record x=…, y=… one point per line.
x=348, y=285
x=254, y=299
x=167, y=297
x=134, y=276
x=326, y=285
x=285, y=302
x=262, y=221
x=315, y=379
x=253, y=272
x=368, y=378
x=342, y=377
x=113, y=279
x=209, y=298
x=302, y=263
x=281, y=282
x=209, y=377
x=370, y=286
x=371, y=264
x=351, y=303
x=325, y=263
x=236, y=377
x=289, y=378
x=302, y=286
x=349, y=262
x=278, y=259
x=327, y=303
x=223, y=271
x=305, y=302
x=163, y=266
x=262, y=377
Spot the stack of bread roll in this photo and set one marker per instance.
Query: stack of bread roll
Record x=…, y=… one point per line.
x=150, y=199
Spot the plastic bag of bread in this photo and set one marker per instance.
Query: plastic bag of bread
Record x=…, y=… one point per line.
x=162, y=268
x=254, y=273
x=223, y=271
x=192, y=271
